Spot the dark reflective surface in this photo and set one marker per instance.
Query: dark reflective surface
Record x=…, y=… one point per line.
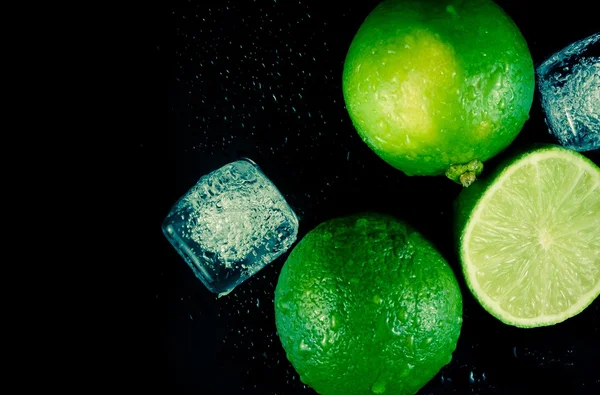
x=262, y=79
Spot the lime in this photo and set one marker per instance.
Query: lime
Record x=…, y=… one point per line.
x=364, y=304
x=438, y=87
x=529, y=237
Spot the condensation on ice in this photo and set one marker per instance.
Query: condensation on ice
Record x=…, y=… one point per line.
x=569, y=83
x=230, y=225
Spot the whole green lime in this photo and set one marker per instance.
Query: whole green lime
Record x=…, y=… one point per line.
x=438, y=86
x=364, y=304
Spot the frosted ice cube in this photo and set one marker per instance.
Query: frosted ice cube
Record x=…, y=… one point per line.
x=230, y=225
x=569, y=83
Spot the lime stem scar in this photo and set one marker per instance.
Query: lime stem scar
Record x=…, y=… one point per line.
x=465, y=174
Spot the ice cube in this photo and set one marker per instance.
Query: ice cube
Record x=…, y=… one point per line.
x=230, y=225
x=569, y=83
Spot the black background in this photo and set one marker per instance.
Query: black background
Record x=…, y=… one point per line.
x=263, y=79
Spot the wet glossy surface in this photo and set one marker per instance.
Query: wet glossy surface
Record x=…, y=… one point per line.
x=262, y=79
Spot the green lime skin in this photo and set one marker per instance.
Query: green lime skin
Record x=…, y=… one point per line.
x=432, y=85
x=364, y=304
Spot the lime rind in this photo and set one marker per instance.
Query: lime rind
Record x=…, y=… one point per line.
x=430, y=86
x=365, y=304
x=471, y=207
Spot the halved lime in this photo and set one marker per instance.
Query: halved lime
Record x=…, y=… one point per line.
x=530, y=237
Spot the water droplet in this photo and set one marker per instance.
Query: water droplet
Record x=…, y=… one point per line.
x=304, y=346
x=379, y=386
x=361, y=223
x=451, y=10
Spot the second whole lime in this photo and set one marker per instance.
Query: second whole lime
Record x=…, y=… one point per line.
x=365, y=305
x=438, y=87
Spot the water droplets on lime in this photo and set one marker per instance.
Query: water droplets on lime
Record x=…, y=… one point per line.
x=361, y=329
